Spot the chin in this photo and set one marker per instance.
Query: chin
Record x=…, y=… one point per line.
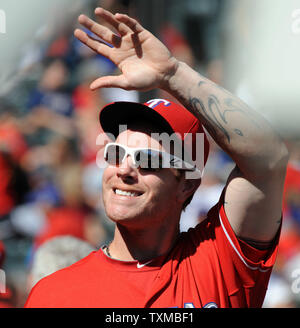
x=119, y=214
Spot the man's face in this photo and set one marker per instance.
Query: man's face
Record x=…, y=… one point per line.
x=153, y=194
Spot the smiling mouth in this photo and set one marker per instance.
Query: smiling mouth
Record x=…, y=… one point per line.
x=127, y=193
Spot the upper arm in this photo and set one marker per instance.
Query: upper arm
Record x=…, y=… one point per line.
x=254, y=208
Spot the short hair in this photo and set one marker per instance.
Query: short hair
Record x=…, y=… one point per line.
x=58, y=253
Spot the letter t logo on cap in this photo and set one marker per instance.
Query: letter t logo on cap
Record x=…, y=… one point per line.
x=155, y=102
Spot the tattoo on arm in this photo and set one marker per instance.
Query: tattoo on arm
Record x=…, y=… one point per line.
x=198, y=105
x=215, y=112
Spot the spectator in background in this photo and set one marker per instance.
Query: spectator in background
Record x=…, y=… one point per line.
x=71, y=216
x=13, y=184
x=13, y=181
x=279, y=294
x=50, y=106
x=50, y=91
x=6, y=294
x=85, y=116
x=7, y=201
x=55, y=254
x=289, y=245
x=292, y=184
x=11, y=137
x=200, y=21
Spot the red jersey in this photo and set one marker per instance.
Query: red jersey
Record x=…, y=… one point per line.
x=208, y=267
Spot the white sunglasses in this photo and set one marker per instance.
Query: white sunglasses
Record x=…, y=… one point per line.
x=145, y=158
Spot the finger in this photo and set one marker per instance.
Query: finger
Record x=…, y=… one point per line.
x=133, y=24
x=103, y=32
x=92, y=43
x=110, y=18
x=118, y=81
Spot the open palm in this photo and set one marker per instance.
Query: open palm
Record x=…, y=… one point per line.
x=144, y=61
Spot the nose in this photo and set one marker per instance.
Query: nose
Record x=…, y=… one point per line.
x=126, y=170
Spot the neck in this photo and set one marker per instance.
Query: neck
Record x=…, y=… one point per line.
x=142, y=244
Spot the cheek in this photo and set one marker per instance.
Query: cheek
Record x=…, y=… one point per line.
x=107, y=174
x=164, y=193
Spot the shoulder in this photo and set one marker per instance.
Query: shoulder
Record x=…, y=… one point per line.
x=205, y=229
x=199, y=239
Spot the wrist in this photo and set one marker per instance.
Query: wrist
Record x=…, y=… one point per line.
x=170, y=74
x=182, y=80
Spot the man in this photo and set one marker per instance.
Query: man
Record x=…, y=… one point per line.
x=227, y=259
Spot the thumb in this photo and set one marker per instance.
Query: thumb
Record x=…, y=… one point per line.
x=113, y=81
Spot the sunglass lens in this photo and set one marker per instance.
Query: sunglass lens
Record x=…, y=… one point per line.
x=115, y=154
x=148, y=159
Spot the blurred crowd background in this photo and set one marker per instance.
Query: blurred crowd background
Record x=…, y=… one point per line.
x=51, y=212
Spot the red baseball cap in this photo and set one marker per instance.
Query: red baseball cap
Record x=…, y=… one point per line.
x=171, y=116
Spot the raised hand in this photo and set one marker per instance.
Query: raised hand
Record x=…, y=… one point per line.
x=145, y=63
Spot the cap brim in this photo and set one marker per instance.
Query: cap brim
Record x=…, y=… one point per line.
x=120, y=113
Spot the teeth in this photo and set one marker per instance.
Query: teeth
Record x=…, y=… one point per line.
x=125, y=193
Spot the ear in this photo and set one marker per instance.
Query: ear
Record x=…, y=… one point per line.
x=187, y=188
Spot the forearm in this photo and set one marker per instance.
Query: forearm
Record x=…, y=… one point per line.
x=240, y=131
x=147, y=64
